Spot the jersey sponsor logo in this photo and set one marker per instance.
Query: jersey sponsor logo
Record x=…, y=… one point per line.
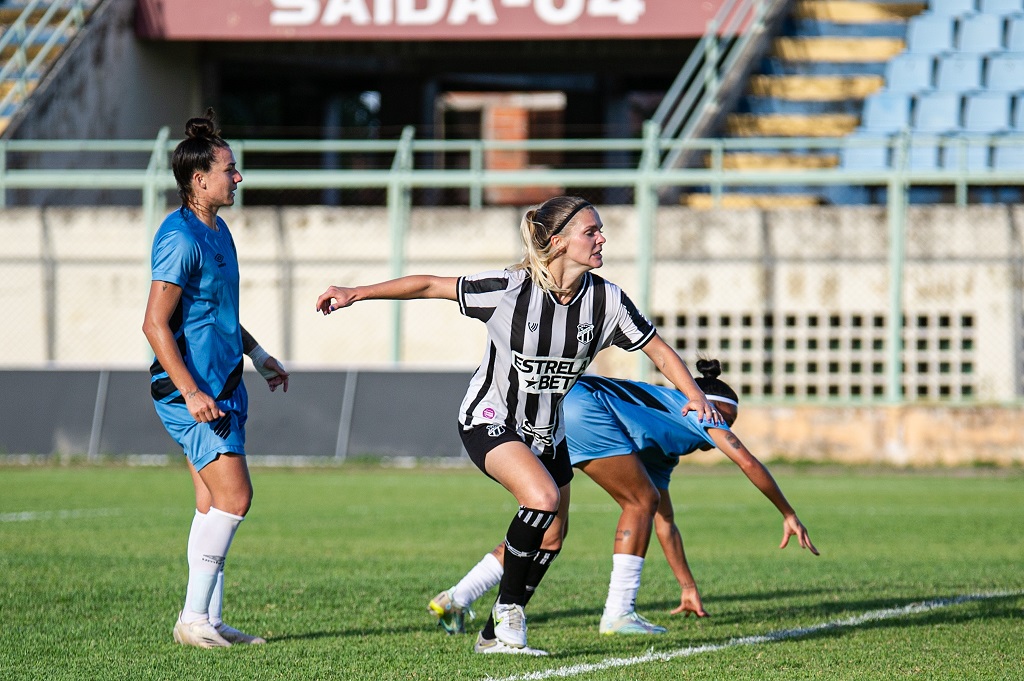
x=548, y=374
x=488, y=413
x=585, y=332
x=495, y=429
x=542, y=435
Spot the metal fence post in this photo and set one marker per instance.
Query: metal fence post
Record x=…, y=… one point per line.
x=646, y=200
x=896, y=208
x=399, y=208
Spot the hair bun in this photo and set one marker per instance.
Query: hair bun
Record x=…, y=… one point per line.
x=202, y=127
x=709, y=368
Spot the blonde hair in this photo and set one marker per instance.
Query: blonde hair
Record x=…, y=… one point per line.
x=536, y=229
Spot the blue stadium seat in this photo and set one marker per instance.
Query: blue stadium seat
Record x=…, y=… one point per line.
x=1015, y=34
x=937, y=112
x=1000, y=6
x=967, y=152
x=1017, y=115
x=958, y=72
x=865, y=151
x=1007, y=156
x=1005, y=72
x=886, y=112
x=987, y=112
x=930, y=34
x=910, y=73
x=981, y=33
x=924, y=153
x=951, y=8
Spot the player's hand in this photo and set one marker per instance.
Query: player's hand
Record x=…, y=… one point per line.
x=203, y=408
x=279, y=377
x=689, y=602
x=792, y=527
x=335, y=298
x=705, y=411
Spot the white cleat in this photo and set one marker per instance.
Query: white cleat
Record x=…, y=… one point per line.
x=630, y=622
x=488, y=646
x=200, y=634
x=510, y=624
x=232, y=635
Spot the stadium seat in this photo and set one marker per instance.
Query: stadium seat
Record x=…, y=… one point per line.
x=1017, y=113
x=981, y=34
x=886, y=112
x=987, y=112
x=930, y=34
x=1005, y=72
x=951, y=8
x=1000, y=6
x=924, y=153
x=1006, y=156
x=937, y=112
x=958, y=72
x=910, y=73
x=965, y=152
x=865, y=152
x=1015, y=34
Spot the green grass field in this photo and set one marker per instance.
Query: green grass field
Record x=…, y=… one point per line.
x=335, y=568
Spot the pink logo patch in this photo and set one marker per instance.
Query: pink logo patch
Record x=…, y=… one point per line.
x=488, y=413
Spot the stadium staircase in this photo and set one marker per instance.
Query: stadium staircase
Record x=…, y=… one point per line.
x=33, y=34
x=948, y=75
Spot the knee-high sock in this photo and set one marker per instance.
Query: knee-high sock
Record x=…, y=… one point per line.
x=624, y=584
x=479, y=580
x=209, y=544
x=538, y=568
x=522, y=541
x=217, y=600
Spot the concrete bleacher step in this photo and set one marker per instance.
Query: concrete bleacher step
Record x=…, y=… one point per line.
x=814, y=88
x=856, y=11
x=836, y=50
x=744, y=160
x=789, y=125
x=759, y=201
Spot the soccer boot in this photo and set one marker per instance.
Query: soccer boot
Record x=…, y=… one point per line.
x=450, y=617
x=232, y=635
x=509, y=624
x=629, y=623
x=200, y=634
x=486, y=646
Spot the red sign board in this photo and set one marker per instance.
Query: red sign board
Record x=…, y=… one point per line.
x=422, y=19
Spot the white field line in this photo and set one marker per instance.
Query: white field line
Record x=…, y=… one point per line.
x=26, y=516
x=651, y=656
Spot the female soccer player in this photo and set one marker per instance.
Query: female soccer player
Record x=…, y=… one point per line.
x=628, y=438
x=192, y=324
x=546, y=319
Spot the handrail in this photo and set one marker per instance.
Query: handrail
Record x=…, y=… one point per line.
x=18, y=63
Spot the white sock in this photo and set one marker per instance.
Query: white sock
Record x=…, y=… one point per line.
x=624, y=584
x=484, y=576
x=208, y=546
x=217, y=599
x=197, y=521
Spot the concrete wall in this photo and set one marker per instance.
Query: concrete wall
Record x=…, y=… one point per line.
x=338, y=415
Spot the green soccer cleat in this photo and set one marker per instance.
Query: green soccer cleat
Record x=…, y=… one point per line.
x=450, y=617
x=629, y=623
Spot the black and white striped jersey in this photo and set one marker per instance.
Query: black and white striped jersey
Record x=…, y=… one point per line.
x=538, y=347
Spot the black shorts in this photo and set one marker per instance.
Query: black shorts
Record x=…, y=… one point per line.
x=480, y=440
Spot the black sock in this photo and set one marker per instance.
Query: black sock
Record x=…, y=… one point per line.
x=538, y=568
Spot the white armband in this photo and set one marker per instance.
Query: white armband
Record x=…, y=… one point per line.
x=258, y=356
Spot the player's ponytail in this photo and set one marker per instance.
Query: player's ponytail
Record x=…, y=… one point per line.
x=537, y=227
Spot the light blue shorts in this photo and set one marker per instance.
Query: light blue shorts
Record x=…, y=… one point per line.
x=203, y=442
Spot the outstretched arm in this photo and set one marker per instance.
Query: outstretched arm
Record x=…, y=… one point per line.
x=756, y=472
x=404, y=288
x=674, y=369
x=672, y=544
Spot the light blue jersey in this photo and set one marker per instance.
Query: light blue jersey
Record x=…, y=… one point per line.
x=613, y=417
x=204, y=263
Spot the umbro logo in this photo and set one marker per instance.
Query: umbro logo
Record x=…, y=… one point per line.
x=220, y=260
x=533, y=326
